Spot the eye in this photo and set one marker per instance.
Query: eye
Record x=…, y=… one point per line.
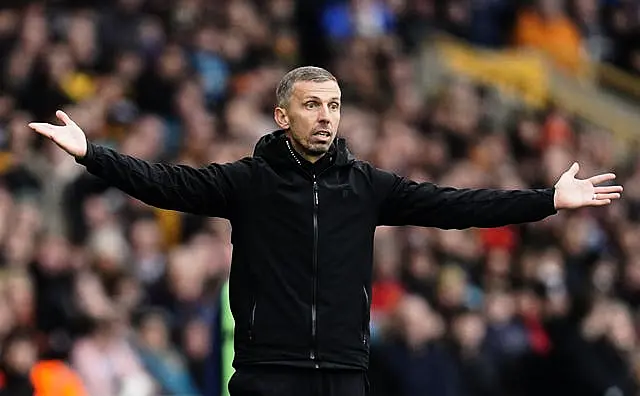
x=334, y=105
x=310, y=105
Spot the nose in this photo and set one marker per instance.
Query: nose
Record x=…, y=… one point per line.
x=323, y=114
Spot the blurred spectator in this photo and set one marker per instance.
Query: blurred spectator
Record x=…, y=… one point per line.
x=473, y=360
x=547, y=27
x=357, y=18
x=491, y=21
x=19, y=355
x=163, y=362
x=415, y=357
x=589, y=20
x=25, y=374
x=119, y=371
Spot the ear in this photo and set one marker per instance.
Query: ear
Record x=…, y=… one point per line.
x=281, y=118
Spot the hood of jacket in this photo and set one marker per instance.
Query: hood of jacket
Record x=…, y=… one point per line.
x=273, y=148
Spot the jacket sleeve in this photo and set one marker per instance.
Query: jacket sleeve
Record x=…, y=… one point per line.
x=210, y=191
x=405, y=202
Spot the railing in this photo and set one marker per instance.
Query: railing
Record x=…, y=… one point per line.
x=618, y=80
x=528, y=76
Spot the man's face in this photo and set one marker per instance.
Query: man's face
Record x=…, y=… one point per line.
x=312, y=117
x=21, y=356
x=551, y=8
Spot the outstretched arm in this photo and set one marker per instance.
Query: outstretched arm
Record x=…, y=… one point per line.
x=425, y=204
x=210, y=190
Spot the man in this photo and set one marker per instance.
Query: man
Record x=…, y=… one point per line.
x=303, y=212
x=23, y=373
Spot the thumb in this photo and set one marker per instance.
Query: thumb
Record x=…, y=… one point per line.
x=574, y=169
x=62, y=116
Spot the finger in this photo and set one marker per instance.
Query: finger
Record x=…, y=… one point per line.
x=608, y=189
x=601, y=178
x=64, y=118
x=42, y=128
x=574, y=169
x=599, y=202
x=607, y=196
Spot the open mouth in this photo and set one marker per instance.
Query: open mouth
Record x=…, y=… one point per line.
x=322, y=133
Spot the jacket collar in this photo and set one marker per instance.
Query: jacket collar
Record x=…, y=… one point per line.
x=274, y=148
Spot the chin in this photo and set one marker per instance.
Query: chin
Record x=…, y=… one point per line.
x=318, y=149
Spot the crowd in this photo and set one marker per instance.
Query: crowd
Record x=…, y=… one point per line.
x=119, y=298
x=572, y=33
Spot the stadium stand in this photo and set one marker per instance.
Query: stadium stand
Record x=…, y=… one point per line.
x=103, y=295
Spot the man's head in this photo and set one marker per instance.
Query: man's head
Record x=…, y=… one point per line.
x=20, y=352
x=551, y=8
x=308, y=108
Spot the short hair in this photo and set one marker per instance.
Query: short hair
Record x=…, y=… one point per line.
x=305, y=73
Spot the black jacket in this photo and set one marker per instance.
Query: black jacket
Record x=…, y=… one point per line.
x=300, y=281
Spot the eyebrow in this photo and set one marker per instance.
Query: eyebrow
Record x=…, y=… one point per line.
x=318, y=99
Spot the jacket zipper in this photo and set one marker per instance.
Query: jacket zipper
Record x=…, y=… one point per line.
x=252, y=320
x=314, y=341
x=313, y=353
x=364, y=318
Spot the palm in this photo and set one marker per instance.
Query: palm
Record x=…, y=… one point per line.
x=572, y=193
x=69, y=136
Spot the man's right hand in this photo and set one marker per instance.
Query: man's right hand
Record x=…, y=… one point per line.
x=69, y=136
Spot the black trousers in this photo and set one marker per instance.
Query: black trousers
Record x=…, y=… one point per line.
x=292, y=381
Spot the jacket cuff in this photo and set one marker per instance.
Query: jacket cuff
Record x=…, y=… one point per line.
x=89, y=155
x=550, y=193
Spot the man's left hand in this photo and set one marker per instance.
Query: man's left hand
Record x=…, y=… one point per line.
x=572, y=193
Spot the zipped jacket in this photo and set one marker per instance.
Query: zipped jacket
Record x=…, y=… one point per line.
x=302, y=235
